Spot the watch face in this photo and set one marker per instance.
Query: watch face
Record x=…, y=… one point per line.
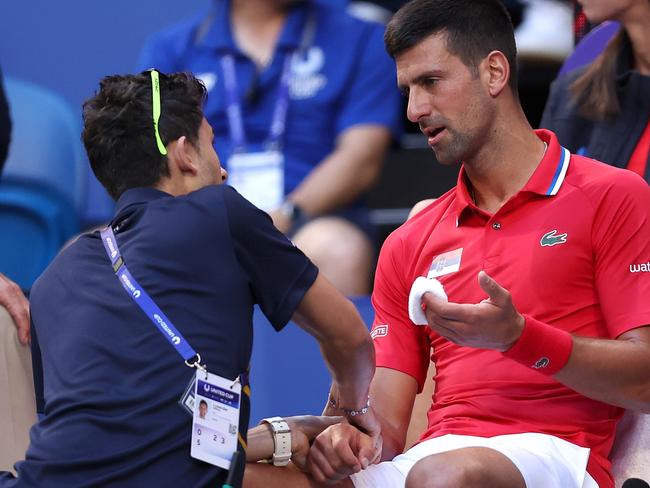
x=287, y=209
x=290, y=210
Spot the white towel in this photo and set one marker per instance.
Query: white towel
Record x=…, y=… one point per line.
x=422, y=285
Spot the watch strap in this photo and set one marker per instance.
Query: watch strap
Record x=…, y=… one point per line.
x=281, y=440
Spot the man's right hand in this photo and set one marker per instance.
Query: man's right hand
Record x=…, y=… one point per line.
x=12, y=298
x=304, y=429
x=342, y=450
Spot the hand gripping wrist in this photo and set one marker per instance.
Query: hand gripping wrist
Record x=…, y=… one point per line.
x=281, y=440
x=542, y=347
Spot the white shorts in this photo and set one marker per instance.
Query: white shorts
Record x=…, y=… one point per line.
x=544, y=461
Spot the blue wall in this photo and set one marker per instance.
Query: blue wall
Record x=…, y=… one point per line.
x=69, y=46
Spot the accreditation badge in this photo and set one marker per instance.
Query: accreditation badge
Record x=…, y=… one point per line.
x=258, y=177
x=215, y=425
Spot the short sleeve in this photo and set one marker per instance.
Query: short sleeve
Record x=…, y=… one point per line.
x=279, y=273
x=621, y=236
x=399, y=344
x=372, y=96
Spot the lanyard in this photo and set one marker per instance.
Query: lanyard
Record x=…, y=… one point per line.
x=144, y=301
x=279, y=117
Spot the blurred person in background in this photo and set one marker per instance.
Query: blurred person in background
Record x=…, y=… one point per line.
x=303, y=103
x=14, y=329
x=603, y=110
x=11, y=296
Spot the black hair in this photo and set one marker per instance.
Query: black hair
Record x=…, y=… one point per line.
x=473, y=29
x=119, y=132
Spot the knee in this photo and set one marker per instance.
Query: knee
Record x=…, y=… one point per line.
x=341, y=251
x=334, y=240
x=437, y=472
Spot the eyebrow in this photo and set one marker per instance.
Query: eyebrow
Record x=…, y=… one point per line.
x=434, y=73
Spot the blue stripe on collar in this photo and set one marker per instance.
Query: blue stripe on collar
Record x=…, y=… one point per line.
x=560, y=172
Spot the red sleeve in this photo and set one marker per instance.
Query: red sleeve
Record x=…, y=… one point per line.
x=621, y=237
x=399, y=344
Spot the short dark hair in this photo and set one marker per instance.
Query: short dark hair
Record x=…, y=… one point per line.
x=119, y=132
x=473, y=29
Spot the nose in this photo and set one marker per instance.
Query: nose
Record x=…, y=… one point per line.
x=418, y=105
x=224, y=174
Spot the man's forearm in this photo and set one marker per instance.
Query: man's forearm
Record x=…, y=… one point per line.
x=304, y=428
x=344, y=340
x=260, y=443
x=613, y=371
x=351, y=361
x=350, y=170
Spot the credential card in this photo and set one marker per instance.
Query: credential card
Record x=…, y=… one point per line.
x=216, y=419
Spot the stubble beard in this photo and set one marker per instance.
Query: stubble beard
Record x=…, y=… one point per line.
x=454, y=151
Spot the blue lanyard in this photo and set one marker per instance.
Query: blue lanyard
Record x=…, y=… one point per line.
x=234, y=110
x=144, y=301
x=279, y=118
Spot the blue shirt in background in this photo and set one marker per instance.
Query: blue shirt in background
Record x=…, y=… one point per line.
x=345, y=78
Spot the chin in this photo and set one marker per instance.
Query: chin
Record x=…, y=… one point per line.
x=445, y=159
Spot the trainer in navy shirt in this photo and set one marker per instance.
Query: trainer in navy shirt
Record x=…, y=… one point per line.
x=112, y=382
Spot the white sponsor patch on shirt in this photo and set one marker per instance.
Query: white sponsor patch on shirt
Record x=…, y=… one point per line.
x=306, y=79
x=379, y=331
x=640, y=267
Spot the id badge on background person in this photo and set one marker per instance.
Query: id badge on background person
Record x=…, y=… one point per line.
x=215, y=424
x=258, y=177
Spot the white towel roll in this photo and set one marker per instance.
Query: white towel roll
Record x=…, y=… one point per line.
x=422, y=285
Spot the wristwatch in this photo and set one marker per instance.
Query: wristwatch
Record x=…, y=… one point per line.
x=291, y=211
x=281, y=439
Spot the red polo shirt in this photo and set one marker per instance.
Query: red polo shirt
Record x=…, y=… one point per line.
x=573, y=248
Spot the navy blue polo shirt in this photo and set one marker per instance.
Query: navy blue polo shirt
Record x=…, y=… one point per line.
x=112, y=381
x=345, y=78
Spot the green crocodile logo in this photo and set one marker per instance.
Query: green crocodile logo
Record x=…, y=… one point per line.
x=551, y=239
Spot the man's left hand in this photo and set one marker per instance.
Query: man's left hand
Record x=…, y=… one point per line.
x=493, y=323
x=340, y=451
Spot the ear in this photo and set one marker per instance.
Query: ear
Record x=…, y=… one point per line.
x=495, y=69
x=182, y=154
